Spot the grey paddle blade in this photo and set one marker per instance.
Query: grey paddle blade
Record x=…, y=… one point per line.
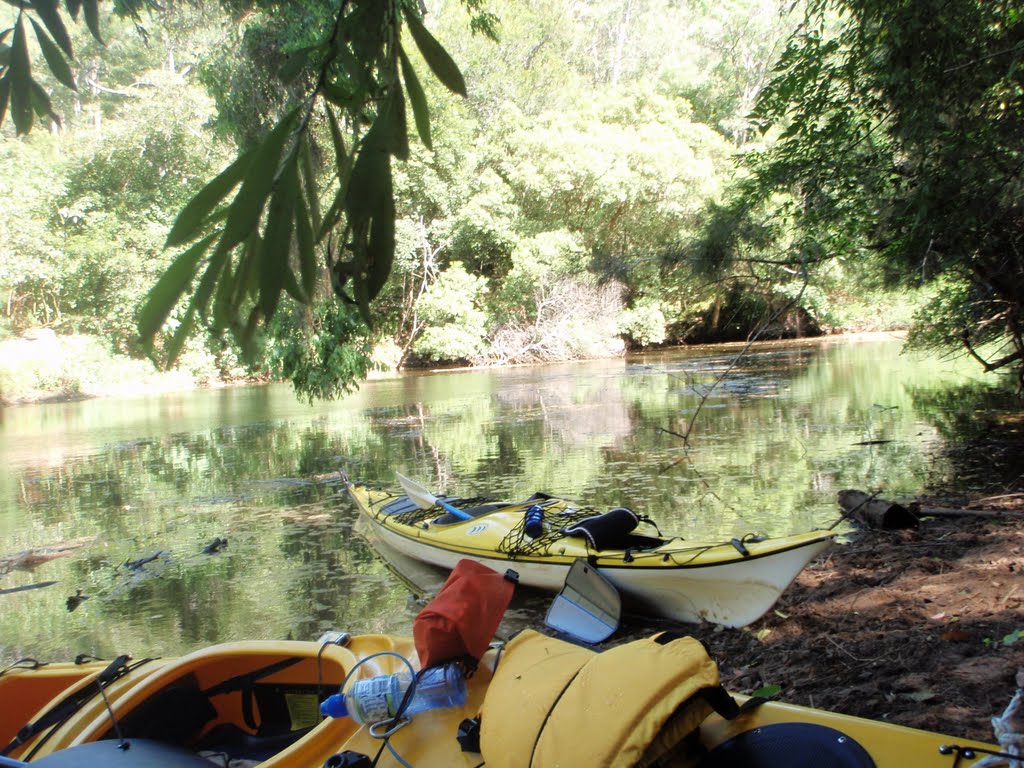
x=588, y=607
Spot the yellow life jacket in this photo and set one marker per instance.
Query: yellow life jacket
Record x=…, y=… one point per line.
x=553, y=704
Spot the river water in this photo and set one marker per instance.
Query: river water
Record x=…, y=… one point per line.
x=130, y=491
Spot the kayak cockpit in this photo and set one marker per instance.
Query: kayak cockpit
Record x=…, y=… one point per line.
x=248, y=703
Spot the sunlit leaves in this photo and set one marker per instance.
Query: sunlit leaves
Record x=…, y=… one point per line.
x=260, y=220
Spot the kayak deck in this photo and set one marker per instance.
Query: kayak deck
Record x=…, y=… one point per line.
x=497, y=529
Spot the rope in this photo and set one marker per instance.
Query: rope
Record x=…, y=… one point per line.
x=1007, y=729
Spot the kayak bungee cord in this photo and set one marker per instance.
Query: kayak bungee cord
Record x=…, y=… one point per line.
x=26, y=663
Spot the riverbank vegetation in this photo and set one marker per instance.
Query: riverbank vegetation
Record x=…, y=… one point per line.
x=618, y=175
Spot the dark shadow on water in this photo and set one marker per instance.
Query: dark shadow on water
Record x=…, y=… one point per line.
x=983, y=429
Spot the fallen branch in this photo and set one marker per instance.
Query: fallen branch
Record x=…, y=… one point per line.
x=916, y=509
x=32, y=558
x=25, y=587
x=875, y=513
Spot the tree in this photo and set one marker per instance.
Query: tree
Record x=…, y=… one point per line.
x=900, y=141
x=252, y=233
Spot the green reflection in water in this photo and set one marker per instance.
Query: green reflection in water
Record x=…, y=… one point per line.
x=164, y=475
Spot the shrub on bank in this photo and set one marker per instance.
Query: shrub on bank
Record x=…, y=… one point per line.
x=41, y=366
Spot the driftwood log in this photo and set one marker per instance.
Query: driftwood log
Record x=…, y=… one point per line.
x=873, y=512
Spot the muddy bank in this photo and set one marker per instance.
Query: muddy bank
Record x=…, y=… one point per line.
x=923, y=628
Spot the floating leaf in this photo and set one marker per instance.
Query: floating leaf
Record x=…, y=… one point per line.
x=434, y=54
x=767, y=691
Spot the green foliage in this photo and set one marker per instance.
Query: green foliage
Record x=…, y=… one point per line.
x=354, y=64
x=74, y=366
x=324, y=350
x=451, y=309
x=574, y=153
x=894, y=134
x=644, y=323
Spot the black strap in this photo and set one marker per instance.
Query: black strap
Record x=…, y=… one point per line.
x=725, y=705
x=244, y=683
x=74, y=701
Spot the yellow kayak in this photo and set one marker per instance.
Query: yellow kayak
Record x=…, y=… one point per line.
x=249, y=703
x=731, y=582
x=252, y=701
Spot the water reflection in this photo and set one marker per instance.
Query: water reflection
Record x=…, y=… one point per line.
x=771, y=445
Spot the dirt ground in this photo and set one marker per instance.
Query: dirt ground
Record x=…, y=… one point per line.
x=923, y=628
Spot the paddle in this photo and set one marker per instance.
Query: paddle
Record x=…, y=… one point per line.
x=588, y=607
x=424, y=499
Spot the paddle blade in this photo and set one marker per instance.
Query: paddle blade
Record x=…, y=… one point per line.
x=424, y=499
x=419, y=495
x=588, y=607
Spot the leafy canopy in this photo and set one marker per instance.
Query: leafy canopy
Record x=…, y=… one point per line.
x=252, y=233
x=900, y=128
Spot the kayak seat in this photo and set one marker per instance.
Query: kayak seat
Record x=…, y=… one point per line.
x=231, y=740
x=174, y=715
x=403, y=505
x=794, y=745
x=474, y=511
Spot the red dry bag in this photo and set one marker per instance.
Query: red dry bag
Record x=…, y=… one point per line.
x=460, y=622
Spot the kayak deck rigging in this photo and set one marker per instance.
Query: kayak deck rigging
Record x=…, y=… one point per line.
x=402, y=510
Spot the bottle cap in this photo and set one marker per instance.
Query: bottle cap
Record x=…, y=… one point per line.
x=334, y=706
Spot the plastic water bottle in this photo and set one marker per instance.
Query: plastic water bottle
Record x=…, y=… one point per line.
x=378, y=698
x=534, y=525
